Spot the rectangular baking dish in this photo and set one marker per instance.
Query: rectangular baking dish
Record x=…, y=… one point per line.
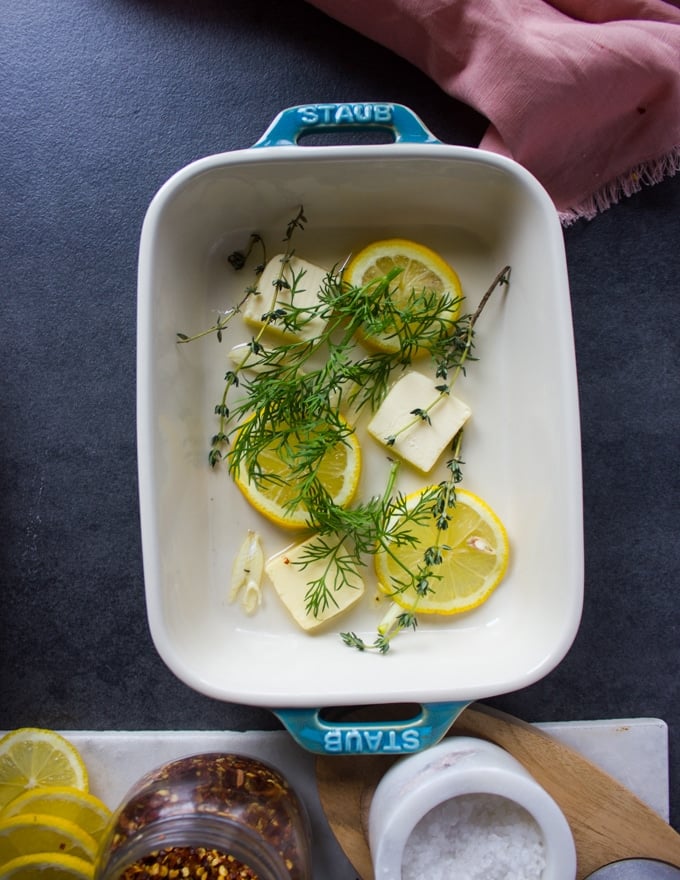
x=522, y=449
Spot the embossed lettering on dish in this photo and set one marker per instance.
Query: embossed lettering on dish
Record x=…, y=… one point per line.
x=338, y=114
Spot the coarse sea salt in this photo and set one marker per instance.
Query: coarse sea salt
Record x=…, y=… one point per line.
x=475, y=837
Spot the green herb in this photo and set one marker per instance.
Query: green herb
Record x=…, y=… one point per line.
x=290, y=400
x=288, y=390
x=237, y=260
x=434, y=503
x=450, y=355
x=382, y=521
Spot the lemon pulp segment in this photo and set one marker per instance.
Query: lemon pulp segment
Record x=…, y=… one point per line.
x=30, y=833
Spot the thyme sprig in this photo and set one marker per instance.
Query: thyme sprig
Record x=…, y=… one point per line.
x=237, y=259
x=436, y=503
x=450, y=355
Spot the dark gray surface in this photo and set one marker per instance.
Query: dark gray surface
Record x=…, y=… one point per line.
x=100, y=102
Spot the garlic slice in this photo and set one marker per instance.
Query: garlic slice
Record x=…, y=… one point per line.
x=247, y=572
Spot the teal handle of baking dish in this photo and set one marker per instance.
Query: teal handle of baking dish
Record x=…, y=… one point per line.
x=293, y=123
x=370, y=738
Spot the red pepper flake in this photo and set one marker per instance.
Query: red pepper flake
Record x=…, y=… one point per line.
x=196, y=863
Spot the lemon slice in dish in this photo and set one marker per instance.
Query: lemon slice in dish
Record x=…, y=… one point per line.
x=422, y=274
x=275, y=487
x=474, y=557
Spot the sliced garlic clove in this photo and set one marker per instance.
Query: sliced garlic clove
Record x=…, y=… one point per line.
x=252, y=598
x=247, y=570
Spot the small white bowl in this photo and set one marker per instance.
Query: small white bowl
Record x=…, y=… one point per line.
x=460, y=766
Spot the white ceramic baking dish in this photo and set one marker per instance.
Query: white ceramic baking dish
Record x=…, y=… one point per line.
x=522, y=447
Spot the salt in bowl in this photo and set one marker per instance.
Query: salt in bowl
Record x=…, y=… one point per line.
x=466, y=808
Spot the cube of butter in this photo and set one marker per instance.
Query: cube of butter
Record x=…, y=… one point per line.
x=303, y=293
x=423, y=441
x=291, y=583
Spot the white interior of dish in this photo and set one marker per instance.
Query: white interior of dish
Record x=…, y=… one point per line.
x=522, y=448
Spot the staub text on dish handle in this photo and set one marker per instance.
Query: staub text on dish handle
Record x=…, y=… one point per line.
x=351, y=114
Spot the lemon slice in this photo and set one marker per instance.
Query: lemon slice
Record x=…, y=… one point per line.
x=423, y=272
x=65, y=802
x=48, y=866
x=273, y=491
x=474, y=550
x=31, y=833
x=30, y=757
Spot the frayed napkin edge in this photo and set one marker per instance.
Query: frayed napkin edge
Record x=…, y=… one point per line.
x=643, y=174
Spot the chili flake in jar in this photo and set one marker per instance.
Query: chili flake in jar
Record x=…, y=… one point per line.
x=209, y=815
x=183, y=861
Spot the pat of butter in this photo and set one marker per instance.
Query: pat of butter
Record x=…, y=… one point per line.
x=422, y=442
x=305, y=282
x=291, y=583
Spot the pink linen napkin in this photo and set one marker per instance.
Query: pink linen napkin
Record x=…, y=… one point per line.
x=583, y=93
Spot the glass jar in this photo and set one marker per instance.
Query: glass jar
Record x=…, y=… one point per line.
x=219, y=815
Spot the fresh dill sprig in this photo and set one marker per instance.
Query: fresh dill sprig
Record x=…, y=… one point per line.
x=381, y=520
x=345, y=536
x=287, y=389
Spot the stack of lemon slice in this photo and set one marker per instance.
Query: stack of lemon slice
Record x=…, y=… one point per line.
x=50, y=824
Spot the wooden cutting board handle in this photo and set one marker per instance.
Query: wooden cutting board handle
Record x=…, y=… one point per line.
x=608, y=821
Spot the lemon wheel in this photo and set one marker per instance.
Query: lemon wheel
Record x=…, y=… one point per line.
x=64, y=802
x=48, y=866
x=32, y=757
x=474, y=558
x=421, y=272
x=275, y=489
x=32, y=833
